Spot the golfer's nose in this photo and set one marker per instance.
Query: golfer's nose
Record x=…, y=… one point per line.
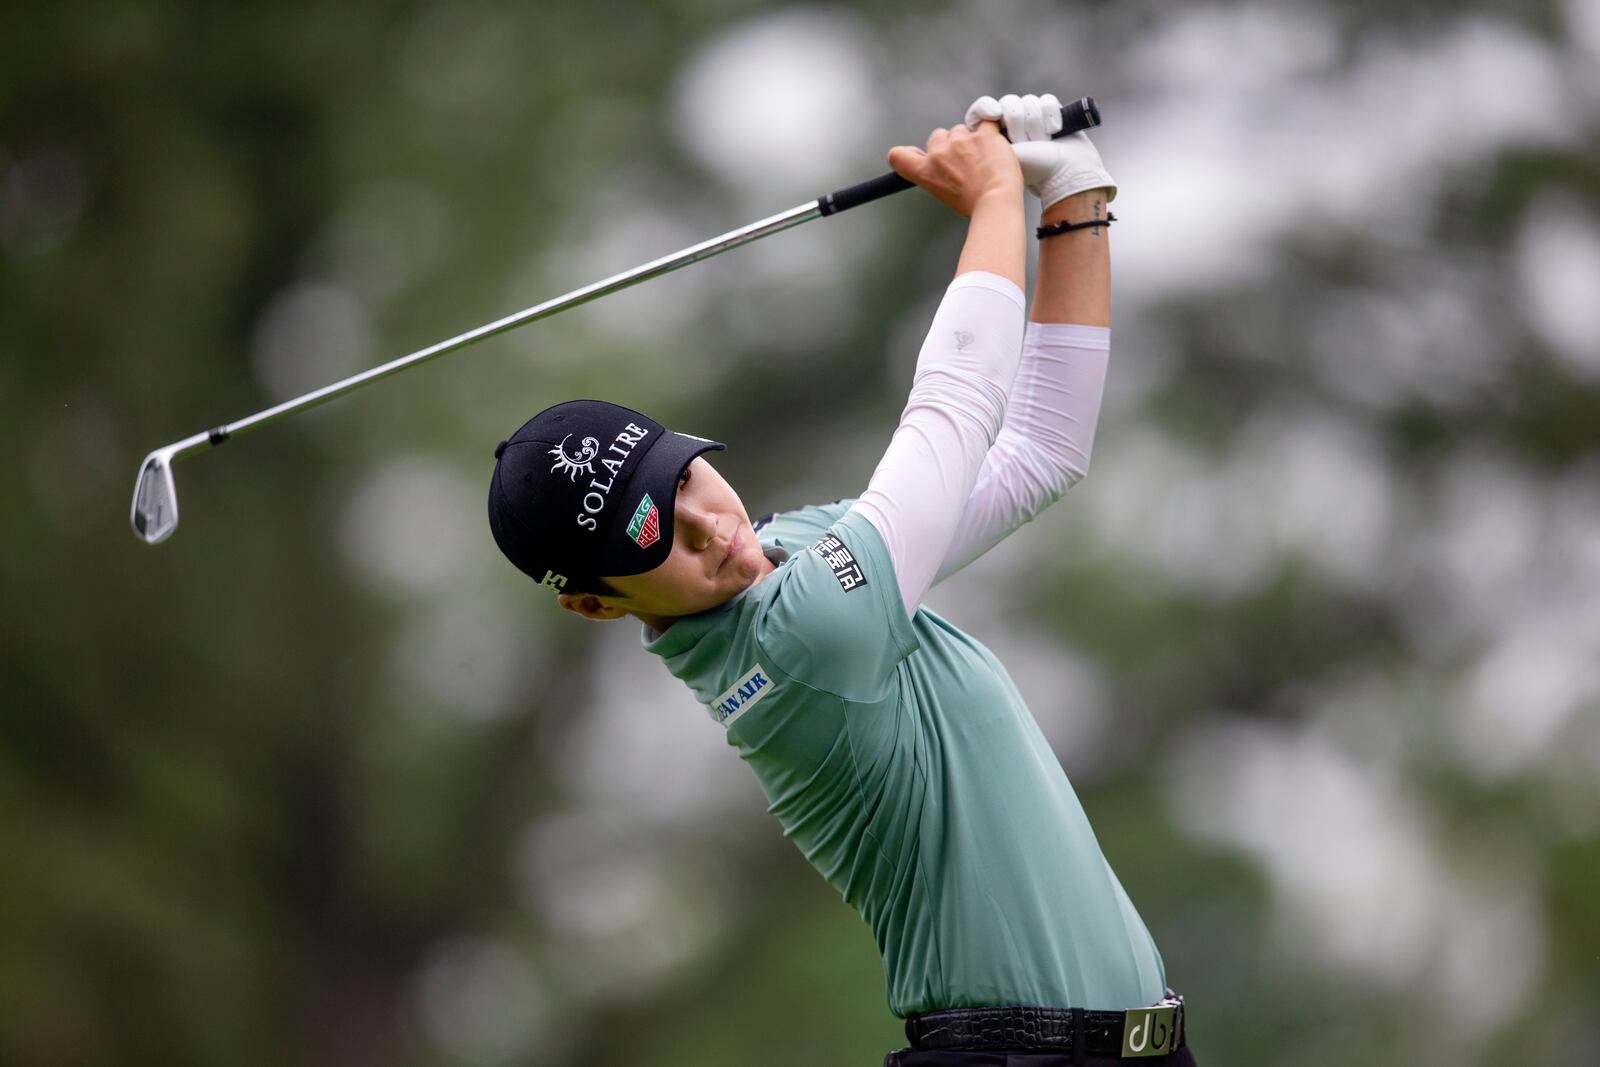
x=699, y=526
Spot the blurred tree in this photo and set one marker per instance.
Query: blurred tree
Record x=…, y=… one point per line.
x=316, y=783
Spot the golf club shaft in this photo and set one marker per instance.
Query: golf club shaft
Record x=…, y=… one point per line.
x=1079, y=115
x=655, y=268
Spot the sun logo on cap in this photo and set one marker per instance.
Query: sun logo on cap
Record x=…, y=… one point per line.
x=581, y=460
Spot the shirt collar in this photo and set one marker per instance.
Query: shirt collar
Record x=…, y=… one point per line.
x=687, y=631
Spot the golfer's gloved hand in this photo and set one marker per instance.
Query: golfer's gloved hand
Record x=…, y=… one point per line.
x=1053, y=170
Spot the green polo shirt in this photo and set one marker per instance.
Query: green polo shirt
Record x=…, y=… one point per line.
x=902, y=761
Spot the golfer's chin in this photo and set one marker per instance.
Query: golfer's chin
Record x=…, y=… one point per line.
x=750, y=564
x=742, y=570
x=743, y=574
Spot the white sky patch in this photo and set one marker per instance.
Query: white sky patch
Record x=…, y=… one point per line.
x=1064, y=689
x=1569, y=785
x=1066, y=694
x=1167, y=507
x=587, y=874
x=1362, y=145
x=1485, y=540
x=1340, y=849
x=806, y=262
x=898, y=363
x=1489, y=942
x=1457, y=572
x=1146, y=356
x=619, y=239
x=647, y=747
x=1199, y=518
x=1583, y=23
x=625, y=915
x=414, y=526
x=480, y=1001
x=782, y=293
x=1575, y=525
x=1426, y=340
x=1199, y=51
x=1380, y=716
x=1521, y=696
x=1329, y=486
x=797, y=319
x=783, y=107
x=1520, y=559
x=309, y=335
x=386, y=236
x=1494, y=553
x=461, y=54
x=467, y=654
x=1360, y=884
x=1557, y=259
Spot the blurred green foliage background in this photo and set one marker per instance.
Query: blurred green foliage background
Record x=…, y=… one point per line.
x=325, y=781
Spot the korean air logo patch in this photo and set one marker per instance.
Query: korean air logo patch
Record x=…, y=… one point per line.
x=846, y=569
x=743, y=695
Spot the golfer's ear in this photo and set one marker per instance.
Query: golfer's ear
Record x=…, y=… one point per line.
x=590, y=607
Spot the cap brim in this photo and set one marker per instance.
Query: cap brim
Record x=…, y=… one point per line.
x=656, y=475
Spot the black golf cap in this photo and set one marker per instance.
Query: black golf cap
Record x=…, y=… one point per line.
x=585, y=490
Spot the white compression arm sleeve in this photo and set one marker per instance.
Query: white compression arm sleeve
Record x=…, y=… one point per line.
x=919, y=492
x=1044, y=447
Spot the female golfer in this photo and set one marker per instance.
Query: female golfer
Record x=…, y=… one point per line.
x=894, y=748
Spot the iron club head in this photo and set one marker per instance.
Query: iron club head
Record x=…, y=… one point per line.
x=155, y=498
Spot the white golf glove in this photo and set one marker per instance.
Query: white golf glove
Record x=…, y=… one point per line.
x=1053, y=170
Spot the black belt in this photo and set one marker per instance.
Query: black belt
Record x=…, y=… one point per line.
x=1153, y=1031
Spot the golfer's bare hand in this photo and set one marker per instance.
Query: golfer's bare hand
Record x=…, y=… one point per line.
x=962, y=166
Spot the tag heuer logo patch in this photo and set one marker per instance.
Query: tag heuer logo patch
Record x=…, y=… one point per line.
x=645, y=526
x=843, y=564
x=739, y=699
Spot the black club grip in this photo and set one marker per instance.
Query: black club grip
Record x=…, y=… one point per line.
x=1082, y=114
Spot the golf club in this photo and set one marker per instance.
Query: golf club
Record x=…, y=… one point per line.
x=155, y=496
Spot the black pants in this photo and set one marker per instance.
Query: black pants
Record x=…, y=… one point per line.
x=910, y=1057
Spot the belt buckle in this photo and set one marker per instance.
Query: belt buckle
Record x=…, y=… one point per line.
x=1149, y=1031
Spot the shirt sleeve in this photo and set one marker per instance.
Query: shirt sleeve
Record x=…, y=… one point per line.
x=1043, y=449
x=795, y=529
x=918, y=494
x=834, y=621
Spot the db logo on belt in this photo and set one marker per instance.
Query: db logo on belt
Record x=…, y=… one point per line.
x=1149, y=1031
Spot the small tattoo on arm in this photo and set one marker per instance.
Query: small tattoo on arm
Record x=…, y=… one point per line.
x=1096, y=230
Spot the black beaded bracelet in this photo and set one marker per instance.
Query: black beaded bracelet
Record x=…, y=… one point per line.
x=1067, y=227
